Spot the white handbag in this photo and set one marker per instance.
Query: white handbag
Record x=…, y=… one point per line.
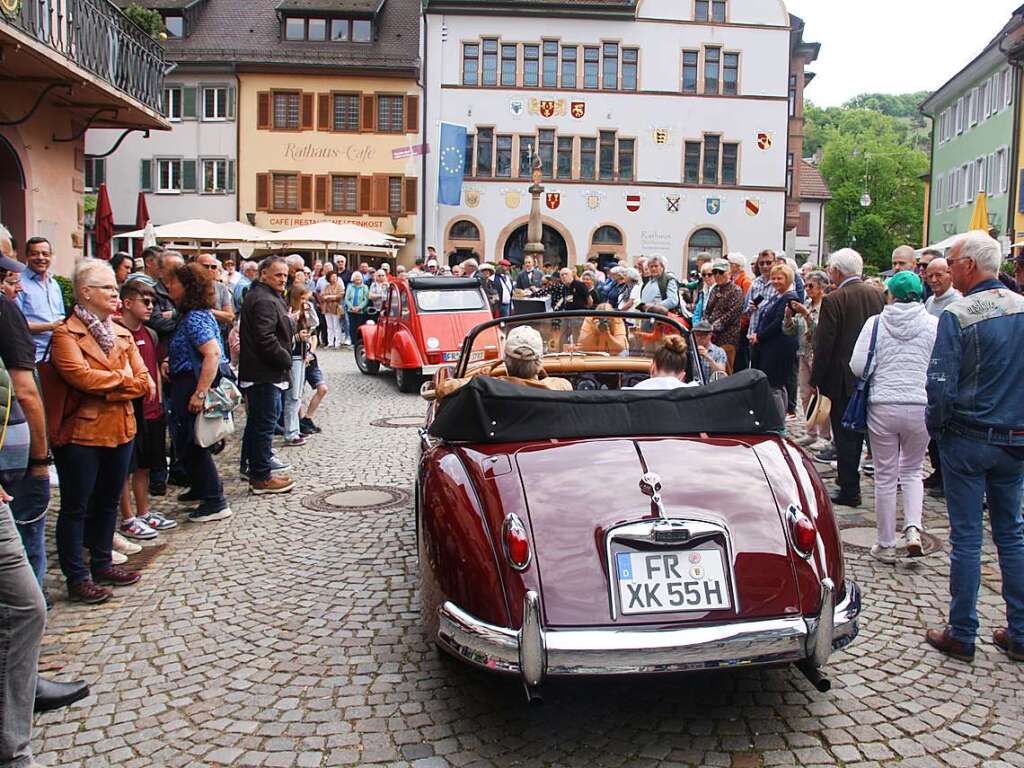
x=215, y=422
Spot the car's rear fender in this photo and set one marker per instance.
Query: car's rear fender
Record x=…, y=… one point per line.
x=404, y=352
x=458, y=553
x=369, y=334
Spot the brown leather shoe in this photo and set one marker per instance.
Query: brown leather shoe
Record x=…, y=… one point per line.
x=88, y=592
x=941, y=640
x=116, y=576
x=273, y=484
x=1001, y=637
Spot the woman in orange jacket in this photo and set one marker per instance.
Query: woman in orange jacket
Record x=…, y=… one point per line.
x=103, y=372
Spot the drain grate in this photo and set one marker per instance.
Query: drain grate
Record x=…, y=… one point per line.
x=399, y=422
x=357, y=498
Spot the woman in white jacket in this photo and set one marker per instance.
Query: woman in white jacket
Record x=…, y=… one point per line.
x=896, y=405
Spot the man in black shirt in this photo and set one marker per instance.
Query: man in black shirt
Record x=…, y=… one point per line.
x=570, y=293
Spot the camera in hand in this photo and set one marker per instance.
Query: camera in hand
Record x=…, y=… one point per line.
x=604, y=324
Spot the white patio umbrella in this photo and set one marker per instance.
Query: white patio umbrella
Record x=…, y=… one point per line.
x=241, y=232
x=190, y=229
x=148, y=235
x=328, y=233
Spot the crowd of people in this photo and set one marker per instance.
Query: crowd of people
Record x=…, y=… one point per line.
x=108, y=392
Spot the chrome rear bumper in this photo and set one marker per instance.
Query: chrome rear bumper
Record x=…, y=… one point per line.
x=535, y=652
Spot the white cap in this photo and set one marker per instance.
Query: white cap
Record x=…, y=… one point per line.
x=486, y=266
x=633, y=275
x=524, y=343
x=738, y=259
x=432, y=263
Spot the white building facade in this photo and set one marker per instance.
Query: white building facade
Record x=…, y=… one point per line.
x=662, y=126
x=188, y=172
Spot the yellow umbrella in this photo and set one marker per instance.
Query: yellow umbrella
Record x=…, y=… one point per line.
x=980, y=218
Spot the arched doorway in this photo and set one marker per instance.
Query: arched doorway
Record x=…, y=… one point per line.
x=463, y=242
x=607, y=246
x=12, y=191
x=704, y=241
x=556, y=253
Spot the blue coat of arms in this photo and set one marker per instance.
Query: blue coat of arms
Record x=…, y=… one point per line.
x=714, y=205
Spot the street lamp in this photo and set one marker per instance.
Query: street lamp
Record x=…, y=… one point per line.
x=865, y=199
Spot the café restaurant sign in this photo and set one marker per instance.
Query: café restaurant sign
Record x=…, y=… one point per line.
x=353, y=153
x=287, y=222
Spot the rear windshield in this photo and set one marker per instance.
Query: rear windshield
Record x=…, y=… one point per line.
x=449, y=300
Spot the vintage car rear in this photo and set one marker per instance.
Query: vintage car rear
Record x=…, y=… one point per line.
x=610, y=531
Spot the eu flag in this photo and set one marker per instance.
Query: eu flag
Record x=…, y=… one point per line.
x=453, y=164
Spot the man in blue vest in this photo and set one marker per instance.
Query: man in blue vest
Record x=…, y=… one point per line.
x=976, y=413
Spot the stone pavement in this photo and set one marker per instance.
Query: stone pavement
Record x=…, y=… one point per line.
x=289, y=636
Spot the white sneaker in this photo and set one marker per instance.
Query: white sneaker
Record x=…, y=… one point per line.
x=913, y=539
x=54, y=480
x=125, y=547
x=882, y=554
x=116, y=558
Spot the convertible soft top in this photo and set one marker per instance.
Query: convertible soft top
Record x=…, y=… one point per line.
x=443, y=283
x=491, y=410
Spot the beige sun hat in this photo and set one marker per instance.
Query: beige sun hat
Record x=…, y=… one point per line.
x=818, y=410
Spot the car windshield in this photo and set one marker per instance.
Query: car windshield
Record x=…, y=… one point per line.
x=448, y=300
x=625, y=341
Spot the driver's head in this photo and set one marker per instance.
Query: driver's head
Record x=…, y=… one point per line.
x=670, y=358
x=524, y=350
x=567, y=275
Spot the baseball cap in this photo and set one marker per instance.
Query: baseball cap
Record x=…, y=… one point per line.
x=11, y=265
x=432, y=263
x=486, y=266
x=524, y=343
x=703, y=327
x=905, y=285
x=720, y=265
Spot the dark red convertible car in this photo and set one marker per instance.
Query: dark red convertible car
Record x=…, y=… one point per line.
x=609, y=530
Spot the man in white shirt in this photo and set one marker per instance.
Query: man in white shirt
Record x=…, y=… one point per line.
x=940, y=280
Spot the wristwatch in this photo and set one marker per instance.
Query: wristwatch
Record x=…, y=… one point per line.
x=43, y=462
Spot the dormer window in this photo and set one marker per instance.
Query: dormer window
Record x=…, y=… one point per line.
x=319, y=29
x=174, y=25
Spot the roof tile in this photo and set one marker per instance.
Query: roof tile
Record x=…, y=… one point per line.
x=812, y=183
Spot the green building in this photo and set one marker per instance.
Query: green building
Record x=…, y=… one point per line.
x=973, y=146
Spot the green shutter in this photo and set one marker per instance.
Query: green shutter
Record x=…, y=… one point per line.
x=230, y=182
x=146, y=176
x=188, y=175
x=231, y=104
x=188, y=103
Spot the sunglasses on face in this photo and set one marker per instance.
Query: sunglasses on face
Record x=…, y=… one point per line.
x=211, y=266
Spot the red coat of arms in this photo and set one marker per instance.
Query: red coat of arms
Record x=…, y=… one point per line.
x=753, y=206
x=547, y=107
x=578, y=109
x=553, y=199
x=764, y=140
x=632, y=203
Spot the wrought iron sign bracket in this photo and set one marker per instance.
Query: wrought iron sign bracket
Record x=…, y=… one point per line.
x=88, y=123
x=39, y=102
x=113, y=149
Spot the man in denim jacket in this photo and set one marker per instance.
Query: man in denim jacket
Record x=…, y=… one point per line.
x=976, y=412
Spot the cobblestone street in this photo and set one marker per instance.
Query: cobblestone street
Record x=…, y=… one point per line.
x=289, y=635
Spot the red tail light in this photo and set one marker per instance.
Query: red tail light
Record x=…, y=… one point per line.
x=516, y=542
x=802, y=532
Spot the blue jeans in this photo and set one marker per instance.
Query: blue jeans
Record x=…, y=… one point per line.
x=31, y=498
x=263, y=402
x=204, y=480
x=972, y=471
x=91, y=481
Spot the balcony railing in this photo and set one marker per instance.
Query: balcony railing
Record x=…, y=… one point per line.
x=96, y=36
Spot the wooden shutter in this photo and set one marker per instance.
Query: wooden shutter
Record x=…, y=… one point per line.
x=188, y=103
x=368, y=112
x=320, y=191
x=412, y=114
x=379, y=200
x=188, y=175
x=230, y=185
x=306, y=106
x=262, y=191
x=263, y=111
x=323, y=112
x=146, y=176
x=410, y=195
x=305, y=192
x=365, y=193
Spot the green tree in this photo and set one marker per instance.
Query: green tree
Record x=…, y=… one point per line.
x=150, y=21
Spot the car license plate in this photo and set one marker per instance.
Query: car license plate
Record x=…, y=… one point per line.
x=671, y=581
x=452, y=357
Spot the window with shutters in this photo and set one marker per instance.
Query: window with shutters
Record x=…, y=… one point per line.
x=215, y=103
x=508, y=65
x=346, y=112
x=395, y=195
x=569, y=54
x=503, y=157
x=588, y=158
x=286, y=111
x=691, y=163
x=95, y=172
x=690, y=60
x=1003, y=170
x=711, y=150
x=712, y=69
x=215, y=176
x=563, y=168
x=391, y=114
x=531, y=66
x=344, y=194
x=172, y=104
x=550, y=64
x=470, y=64
x=168, y=176
x=730, y=163
x=937, y=190
x=626, y=159
x=284, y=192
